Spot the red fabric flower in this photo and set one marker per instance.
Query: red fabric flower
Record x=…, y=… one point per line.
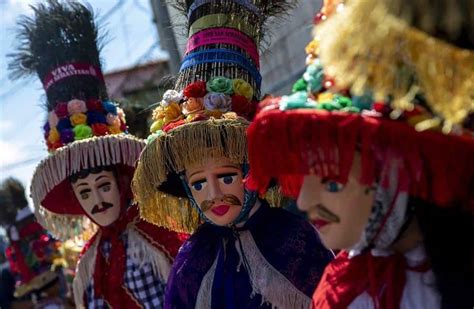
x=55, y=145
x=61, y=110
x=123, y=126
x=195, y=90
x=241, y=105
x=172, y=125
x=94, y=105
x=100, y=129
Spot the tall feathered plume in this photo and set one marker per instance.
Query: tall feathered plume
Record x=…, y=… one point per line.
x=59, y=33
x=12, y=199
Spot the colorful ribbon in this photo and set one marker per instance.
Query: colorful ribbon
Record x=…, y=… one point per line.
x=223, y=20
x=222, y=56
x=224, y=36
x=71, y=69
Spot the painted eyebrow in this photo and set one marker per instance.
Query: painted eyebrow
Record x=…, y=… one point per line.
x=101, y=176
x=82, y=184
x=222, y=175
x=85, y=191
x=104, y=184
x=199, y=181
x=195, y=173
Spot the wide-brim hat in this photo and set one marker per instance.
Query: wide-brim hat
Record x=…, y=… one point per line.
x=208, y=111
x=84, y=129
x=319, y=128
x=56, y=205
x=401, y=48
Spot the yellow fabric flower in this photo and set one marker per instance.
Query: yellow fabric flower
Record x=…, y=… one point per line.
x=114, y=129
x=78, y=118
x=241, y=87
x=172, y=113
x=53, y=135
x=157, y=125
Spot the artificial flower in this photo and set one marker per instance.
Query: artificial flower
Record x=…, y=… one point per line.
x=157, y=125
x=61, y=110
x=195, y=90
x=241, y=105
x=67, y=136
x=110, y=107
x=114, y=129
x=193, y=105
x=171, y=96
x=94, y=105
x=82, y=131
x=217, y=101
x=314, y=76
x=78, y=118
x=112, y=119
x=53, y=135
x=100, y=129
x=64, y=123
x=172, y=113
x=241, y=87
x=217, y=114
x=300, y=85
x=95, y=117
x=220, y=84
x=296, y=100
x=76, y=106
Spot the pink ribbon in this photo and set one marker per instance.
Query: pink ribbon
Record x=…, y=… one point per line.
x=71, y=69
x=224, y=36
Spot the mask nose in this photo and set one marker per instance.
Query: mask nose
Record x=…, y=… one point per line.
x=214, y=191
x=309, y=193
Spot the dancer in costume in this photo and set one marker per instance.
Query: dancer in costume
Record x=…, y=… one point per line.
x=383, y=184
x=32, y=253
x=190, y=177
x=87, y=175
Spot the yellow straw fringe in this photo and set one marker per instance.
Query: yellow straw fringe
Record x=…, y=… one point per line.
x=368, y=48
x=171, y=153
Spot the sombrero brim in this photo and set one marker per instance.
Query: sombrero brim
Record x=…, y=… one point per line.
x=55, y=204
x=303, y=140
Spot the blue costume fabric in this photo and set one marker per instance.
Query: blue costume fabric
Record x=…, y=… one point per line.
x=275, y=259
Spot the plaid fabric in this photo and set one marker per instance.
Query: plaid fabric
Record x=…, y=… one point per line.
x=147, y=288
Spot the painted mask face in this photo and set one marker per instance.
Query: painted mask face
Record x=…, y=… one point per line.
x=218, y=189
x=99, y=196
x=340, y=213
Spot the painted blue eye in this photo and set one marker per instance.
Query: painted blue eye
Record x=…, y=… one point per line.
x=198, y=186
x=228, y=180
x=334, y=186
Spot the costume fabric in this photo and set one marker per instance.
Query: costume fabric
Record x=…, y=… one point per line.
x=375, y=279
x=274, y=260
x=125, y=272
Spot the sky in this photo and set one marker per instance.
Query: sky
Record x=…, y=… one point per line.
x=132, y=40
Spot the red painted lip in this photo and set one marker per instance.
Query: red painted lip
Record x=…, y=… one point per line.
x=220, y=210
x=319, y=223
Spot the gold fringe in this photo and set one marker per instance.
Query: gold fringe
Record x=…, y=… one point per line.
x=66, y=161
x=171, y=153
x=366, y=47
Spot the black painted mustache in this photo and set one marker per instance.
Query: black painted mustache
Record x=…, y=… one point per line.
x=326, y=214
x=105, y=206
x=228, y=199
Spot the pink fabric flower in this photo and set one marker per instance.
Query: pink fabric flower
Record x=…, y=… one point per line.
x=76, y=106
x=52, y=119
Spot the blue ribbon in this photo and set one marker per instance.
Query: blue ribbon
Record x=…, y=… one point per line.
x=245, y=3
x=222, y=56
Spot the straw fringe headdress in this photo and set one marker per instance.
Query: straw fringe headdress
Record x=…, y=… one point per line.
x=206, y=115
x=84, y=130
x=400, y=50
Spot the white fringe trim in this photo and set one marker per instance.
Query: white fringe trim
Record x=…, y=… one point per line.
x=204, y=297
x=84, y=272
x=142, y=252
x=268, y=282
x=68, y=160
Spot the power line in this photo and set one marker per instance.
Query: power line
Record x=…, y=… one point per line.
x=12, y=91
x=112, y=11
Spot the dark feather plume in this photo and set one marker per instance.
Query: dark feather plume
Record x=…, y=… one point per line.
x=57, y=34
x=12, y=199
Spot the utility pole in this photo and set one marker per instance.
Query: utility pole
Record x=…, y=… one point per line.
x=165, y=31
